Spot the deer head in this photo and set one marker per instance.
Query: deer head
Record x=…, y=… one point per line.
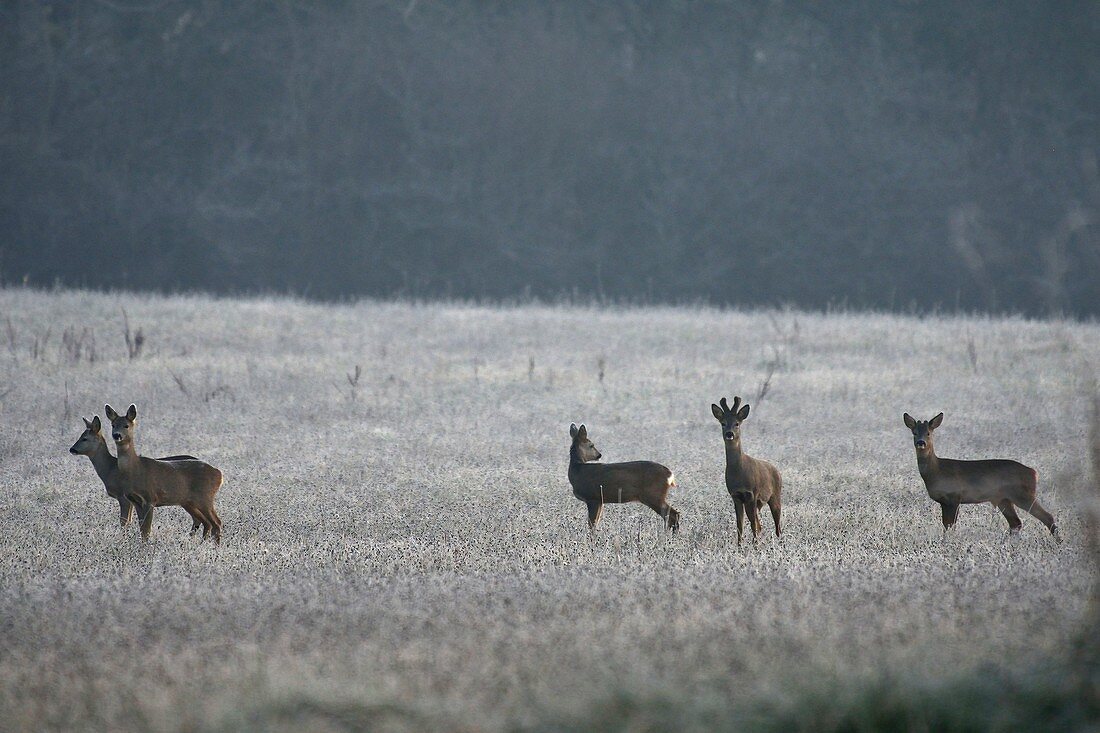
x=583, y=448
x=731, y=418
x=90, y=440
x=922, y=432
x=122, y=426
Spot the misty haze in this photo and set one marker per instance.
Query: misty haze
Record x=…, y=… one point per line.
x=891, y=155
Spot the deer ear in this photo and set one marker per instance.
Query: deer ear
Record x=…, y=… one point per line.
x=110, y=412
x=583, y=432
x=573, y=430
x=909, y=421
x=935, y=422
x=95, y=425
x=743, y=413
x=131, y=414
x=718, y=415
x=86, y=423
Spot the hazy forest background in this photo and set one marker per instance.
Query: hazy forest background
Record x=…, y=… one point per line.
x=867, y=153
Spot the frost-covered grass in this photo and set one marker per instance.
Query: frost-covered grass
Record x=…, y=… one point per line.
x=407, y=552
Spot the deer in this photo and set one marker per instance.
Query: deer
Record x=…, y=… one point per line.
x=91, y=443
x=150, y=482
x=950, y=482
x=597, y=484
x=751, y=482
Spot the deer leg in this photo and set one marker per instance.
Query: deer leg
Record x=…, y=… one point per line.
x=125, y=511
x=754, y=518
x=774, y=505
x=1037, y=511
x=950, y=513
x=1009, y=511
x=670, y=516
x=739, y=508
x=673, y=519
x=196, y=522
x=142, y=507
x=147, y=522
x=199, y=519
x=217, y=525
x=595, y=510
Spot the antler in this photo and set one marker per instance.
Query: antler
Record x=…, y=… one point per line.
x=736, y=403
x=722, y=402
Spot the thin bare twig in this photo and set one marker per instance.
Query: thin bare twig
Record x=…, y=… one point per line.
x=179, y=383
x=12, y=339
x=134, y=341
x=353, y=383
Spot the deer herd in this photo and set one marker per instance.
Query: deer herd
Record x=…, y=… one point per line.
x=143, y=483
x=753, y=482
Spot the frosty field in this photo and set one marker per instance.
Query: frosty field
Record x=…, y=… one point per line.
x=406, y=552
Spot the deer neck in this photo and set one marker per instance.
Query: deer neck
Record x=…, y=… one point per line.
x=127, y=456
x=733, y=454
x=576, y=466
x=928, y=463
x=103, y=462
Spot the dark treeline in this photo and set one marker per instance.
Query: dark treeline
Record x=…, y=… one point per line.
x=874, y=152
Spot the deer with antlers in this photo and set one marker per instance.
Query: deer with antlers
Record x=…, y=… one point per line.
x=752, y=483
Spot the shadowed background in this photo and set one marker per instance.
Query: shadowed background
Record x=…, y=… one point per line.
x=883, y=154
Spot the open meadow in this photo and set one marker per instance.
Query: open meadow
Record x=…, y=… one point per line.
x=402, y=550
